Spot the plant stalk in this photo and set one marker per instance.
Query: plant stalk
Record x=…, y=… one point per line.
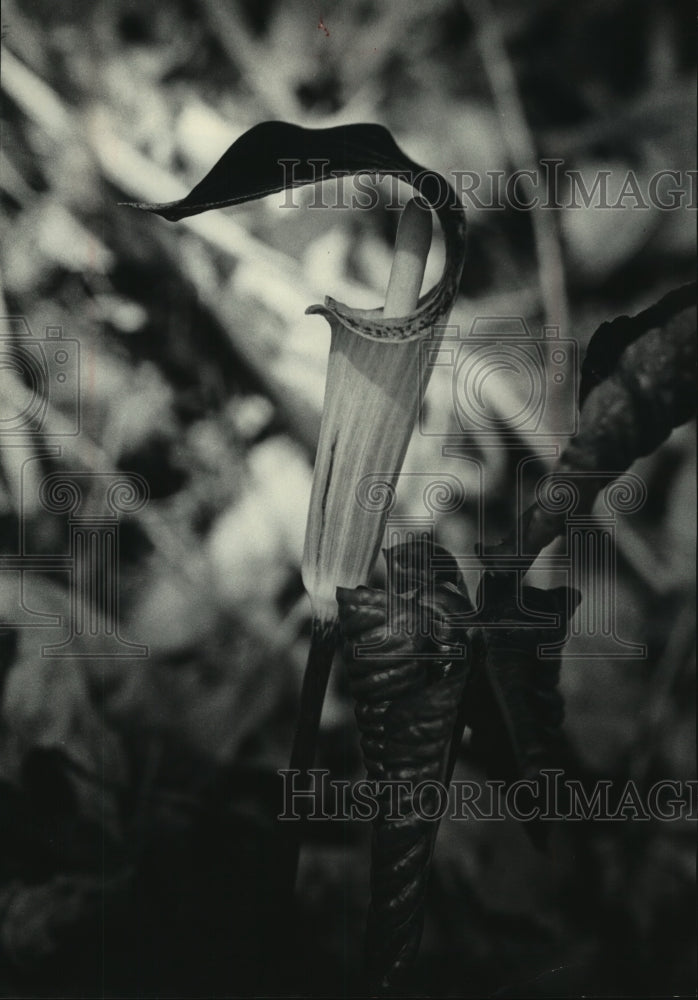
x=323, y=642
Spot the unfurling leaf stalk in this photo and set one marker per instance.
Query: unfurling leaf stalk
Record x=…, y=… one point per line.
x=638, y=384
x=407, y=698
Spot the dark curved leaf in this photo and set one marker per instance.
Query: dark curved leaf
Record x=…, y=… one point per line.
x=274, y=156
x=639, y=383
x=650, y=391
x=612, y=338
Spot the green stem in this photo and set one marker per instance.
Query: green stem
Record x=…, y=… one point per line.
x=475, y=653
x=282, y=926
x=323, y=642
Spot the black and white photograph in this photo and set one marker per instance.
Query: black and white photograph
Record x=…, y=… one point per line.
x=348, y=499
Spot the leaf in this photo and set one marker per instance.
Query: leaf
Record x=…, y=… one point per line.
x=409, y=709
x=612, y=338
x=406, y=707
x=638, y=384
x=276, y=156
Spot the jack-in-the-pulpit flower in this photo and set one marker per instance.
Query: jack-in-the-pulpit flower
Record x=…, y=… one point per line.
x=373, y=388
x=372, y=395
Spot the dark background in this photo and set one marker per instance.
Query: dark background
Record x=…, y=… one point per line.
x=137, y=797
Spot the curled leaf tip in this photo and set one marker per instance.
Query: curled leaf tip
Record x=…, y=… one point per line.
x=612, y=338
x=638, y=384
x=406, y=708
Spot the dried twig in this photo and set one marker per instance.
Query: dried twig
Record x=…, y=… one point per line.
x=522, y=150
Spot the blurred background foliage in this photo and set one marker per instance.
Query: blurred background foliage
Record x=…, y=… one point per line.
x=138, y=798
